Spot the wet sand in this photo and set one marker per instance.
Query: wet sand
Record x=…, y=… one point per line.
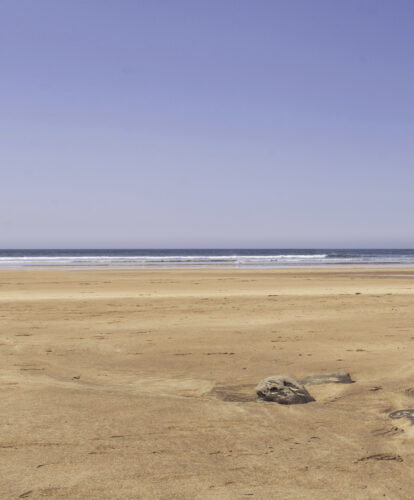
x=140, y=384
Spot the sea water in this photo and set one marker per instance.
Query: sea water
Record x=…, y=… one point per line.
x=240, y=258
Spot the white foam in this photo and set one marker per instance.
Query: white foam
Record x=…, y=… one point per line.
x=236, y=259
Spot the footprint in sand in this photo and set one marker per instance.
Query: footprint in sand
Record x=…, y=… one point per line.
x=387, y=432
x=381, y=457
x=26, y=494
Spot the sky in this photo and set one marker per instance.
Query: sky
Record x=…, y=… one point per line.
x=206, y=124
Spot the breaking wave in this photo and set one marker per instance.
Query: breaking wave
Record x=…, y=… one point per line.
x=235, y=258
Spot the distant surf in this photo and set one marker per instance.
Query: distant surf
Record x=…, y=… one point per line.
x=242, y=258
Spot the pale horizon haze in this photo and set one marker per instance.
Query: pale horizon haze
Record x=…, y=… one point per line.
x=206, y=124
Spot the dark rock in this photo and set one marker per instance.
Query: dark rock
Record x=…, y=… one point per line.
x=409, y=414
x=329, y=378
x=284, y=390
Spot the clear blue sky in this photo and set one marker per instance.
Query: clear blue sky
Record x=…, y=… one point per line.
x=214, y=123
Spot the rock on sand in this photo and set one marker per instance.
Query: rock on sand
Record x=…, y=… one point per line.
x=284, y=390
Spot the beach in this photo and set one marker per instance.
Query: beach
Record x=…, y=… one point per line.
x=140, y=383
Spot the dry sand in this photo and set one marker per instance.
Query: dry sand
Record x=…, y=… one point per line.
x=137, y=384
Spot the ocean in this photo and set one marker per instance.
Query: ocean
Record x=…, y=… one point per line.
x=239, y=258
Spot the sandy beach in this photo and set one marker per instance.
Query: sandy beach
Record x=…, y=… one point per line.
x=140, y=383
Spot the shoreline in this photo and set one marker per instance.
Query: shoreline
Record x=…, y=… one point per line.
x=214, y=267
